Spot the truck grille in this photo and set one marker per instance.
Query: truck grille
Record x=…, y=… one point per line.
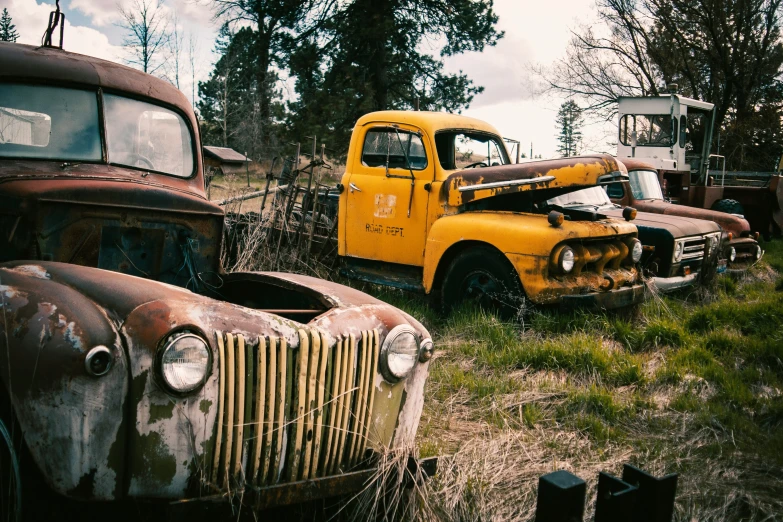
x=693, y=249
x=292, y=413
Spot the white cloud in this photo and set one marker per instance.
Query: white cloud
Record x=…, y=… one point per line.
x=101, y=12
x=31, y=21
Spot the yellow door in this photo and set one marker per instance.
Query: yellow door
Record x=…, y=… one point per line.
x=387, y=210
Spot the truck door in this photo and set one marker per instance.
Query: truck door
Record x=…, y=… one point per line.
x=387, y=195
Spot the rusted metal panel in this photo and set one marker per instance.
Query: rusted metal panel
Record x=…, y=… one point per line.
x=583, y=171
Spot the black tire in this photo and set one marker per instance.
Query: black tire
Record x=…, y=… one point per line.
x=483, y=276
x=729, y=206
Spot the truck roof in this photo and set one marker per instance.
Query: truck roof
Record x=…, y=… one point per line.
x=52, y=65
x=683, y=100
x=429, y=121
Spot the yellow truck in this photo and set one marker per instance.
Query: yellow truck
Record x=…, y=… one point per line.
x=430, y=202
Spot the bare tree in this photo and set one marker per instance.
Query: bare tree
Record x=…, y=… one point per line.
x=192, y=51
x=176, y=43
x=147, y=28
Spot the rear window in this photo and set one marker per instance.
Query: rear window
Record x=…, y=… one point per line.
x=147, y=136
x=42, y=122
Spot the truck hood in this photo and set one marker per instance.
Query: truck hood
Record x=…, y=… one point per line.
x=729, y=222
x=677, y=226
x=553, y=176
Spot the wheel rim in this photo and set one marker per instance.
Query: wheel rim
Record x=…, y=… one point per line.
x=10, y=480
x=481, y=287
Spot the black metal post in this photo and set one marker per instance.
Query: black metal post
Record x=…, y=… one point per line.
x=561, y=497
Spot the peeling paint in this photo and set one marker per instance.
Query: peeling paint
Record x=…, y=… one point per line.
x=32, y=271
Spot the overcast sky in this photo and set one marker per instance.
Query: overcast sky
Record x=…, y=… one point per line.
x=536, y=33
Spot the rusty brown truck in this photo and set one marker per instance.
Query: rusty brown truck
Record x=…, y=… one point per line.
x=131, y=365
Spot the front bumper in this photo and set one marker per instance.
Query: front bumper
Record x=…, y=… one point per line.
x=318, y=488
x=668, y=284
x=618, y=298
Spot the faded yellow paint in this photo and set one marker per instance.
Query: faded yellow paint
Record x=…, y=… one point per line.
x=375, y=225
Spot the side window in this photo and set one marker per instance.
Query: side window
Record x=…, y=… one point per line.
x=615, y=190
x=395, y=145
x=683, y=131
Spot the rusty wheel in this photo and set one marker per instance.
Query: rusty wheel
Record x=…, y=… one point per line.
x=10, y=479
x=482, y=276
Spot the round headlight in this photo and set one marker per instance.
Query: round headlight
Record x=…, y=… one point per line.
x=399, y=353
x=732, y=254
x=567, y=260
x=636, y=251
x=184, y=362
x=677, y=251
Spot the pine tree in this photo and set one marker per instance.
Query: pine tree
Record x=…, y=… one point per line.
x=569, y=124
x=7, y=29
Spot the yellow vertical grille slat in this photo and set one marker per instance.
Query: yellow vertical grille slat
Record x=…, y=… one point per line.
x=341, y=413
x=221, y=406
x=259, y=421
x=294, y=413
x=282, y=367
x=269, y=414
x=310, y=402
x=319, y=413
x=332, y=433
x=371, y=389
x=300, y=399
x=358, y=413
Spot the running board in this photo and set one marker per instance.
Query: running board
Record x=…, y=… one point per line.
x=404, y=277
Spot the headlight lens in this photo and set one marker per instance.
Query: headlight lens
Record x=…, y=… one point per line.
x=567, y=260
x=636, y=251
x=732, y=254
x=758, y=252
x=678, y=251
x=184, y=362
x=399, y=353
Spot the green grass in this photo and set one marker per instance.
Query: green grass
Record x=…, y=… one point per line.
x=690, y=383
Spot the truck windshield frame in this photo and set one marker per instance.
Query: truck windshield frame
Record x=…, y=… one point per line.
x=645, y=185
x=65, y=124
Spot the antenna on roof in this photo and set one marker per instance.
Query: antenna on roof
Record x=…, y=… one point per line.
x=55, y=18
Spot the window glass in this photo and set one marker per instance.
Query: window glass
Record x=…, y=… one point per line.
x=593, y=197
x=459, y=149
x=146, y=136
x=645, y=185
x=49, y=123
x=615, y=190
x=683, y=131
x=651, y=130
x=393, y=145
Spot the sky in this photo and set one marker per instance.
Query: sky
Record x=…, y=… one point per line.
x=536, y=34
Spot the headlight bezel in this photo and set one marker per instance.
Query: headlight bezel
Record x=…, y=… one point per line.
x=386, y=347
x=561, y=259
x=632, y=251
x=679, y=248
x=166, y=343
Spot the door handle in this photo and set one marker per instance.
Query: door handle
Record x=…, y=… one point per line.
x=354, y=187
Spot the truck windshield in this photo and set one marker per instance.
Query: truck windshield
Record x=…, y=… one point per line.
x=589, y=197
x=42, y=122
x=147, y=136
x=652, y=130
x=460, y=149
x=645, y=185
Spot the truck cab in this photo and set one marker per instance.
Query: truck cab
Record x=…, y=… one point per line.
x=674, y=134
x=431, y=203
